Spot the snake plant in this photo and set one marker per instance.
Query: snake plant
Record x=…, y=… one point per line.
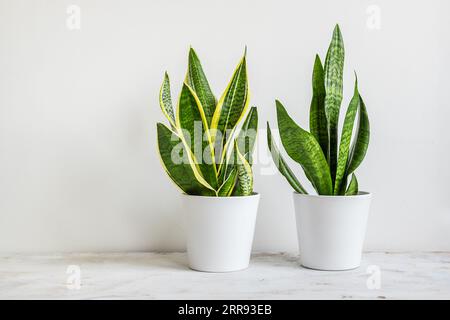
x=326, y=165
x=201, y=150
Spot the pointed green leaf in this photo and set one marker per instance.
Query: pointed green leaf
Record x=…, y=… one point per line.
x=317, y=118
x=192, y=123
x=352, y=187
x=196, y=79
x=282, y=165
x=303, y=148
x=165, y=100
x=346, y=137
x=245, y=175
x=226, y=189
x=177, y=165
x=230, y=109
x=334, y=69
x=361, y=142
x=245, y=140
x=225, y=168
x=247, y=135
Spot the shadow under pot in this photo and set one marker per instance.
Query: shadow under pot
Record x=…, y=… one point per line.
x=331, y=230
x=220, y=231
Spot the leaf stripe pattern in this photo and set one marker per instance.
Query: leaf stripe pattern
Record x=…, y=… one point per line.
x=245, y=175
x=346, y=136
x=317, y=118
x=282, y=165
x=246, y=142
x=192, y=124
x=303, y=148
x=165, y=101
x=361, y=143
x=197, y=117
x=352, y=187
x=196, y=79
x=334, y=68
x=226, y=189
x=231, y=107
x=180, y=172
x=247, y=135
x=326, y=163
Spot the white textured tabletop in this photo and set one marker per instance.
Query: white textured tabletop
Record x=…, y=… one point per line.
x=270, y=276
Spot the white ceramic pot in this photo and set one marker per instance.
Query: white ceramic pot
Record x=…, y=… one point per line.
x=331, y=230
x=220, y=231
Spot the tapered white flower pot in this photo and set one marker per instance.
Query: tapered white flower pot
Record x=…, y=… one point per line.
x=220, y=231
x=331, y=230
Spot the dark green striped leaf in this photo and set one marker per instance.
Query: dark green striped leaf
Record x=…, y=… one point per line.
x=192, y=122
x=317, y=118
x=246, y=142
x=361, y=142
x=334, y=69
x=247, y=135
x=303, y=148
x=227, y=187
x=245, y=175
x=282, y=165
x=165, y=100
x=344, y=146
x=196, y=79
x=230, y=108
x=352, y=187
x=176, y=163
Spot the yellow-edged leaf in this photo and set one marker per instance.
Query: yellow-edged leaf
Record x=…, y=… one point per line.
x=245, y=175
x=193, y=127
x=165, y=101
x=196, y=79
x=178, y=166
x=230, y=109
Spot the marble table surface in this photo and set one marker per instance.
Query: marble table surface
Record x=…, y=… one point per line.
x=270, y=276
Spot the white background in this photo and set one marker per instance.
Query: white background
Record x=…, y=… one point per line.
x=78, y=111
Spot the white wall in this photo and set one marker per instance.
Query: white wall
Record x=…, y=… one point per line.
x=78, y=166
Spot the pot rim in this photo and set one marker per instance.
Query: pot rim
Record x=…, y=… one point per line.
x=253, y=195
x=361, y=194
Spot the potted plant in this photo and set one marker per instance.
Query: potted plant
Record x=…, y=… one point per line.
x=331, y=225
x=211, y=162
